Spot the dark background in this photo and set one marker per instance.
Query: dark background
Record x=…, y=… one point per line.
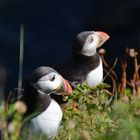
x=51, y=26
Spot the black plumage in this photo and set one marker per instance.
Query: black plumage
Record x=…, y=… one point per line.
x=85, y=58
x=78, y=68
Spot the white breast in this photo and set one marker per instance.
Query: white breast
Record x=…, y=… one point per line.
x=95, y=77
x=47, y=123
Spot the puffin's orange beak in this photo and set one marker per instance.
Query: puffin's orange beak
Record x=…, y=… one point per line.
x=65, y=88
x=68, y=89
x=103, y=37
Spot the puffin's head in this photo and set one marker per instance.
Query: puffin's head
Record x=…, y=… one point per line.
x=88, y=41
x=46, y=81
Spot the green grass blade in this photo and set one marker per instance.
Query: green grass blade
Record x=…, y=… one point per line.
x=21, y=55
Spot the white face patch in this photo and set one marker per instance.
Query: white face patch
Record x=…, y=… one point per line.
x=48, y=82
x=90, y=45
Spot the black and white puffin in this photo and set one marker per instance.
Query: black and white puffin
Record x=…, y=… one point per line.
x=86, y=64
x=43, y=82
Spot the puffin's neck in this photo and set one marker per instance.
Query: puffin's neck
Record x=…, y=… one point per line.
x=92, y=61
x=35, y=101
x=43, y=101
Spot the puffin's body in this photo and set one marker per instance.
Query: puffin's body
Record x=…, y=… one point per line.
x=86, y=64
x=47, y=114
x=47, y=123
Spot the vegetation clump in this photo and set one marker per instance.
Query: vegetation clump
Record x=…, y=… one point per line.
x=103, y=113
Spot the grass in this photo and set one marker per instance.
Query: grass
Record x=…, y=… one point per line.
x=89, y=115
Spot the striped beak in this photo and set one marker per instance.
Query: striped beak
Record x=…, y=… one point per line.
x=64, y=89
x=67, y=87
x=103, y=38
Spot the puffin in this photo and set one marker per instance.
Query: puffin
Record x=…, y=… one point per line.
x=86, y=64
x=44, y=113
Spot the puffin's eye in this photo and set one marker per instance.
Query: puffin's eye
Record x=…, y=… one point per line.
x=52, y=77
x=91, y=39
